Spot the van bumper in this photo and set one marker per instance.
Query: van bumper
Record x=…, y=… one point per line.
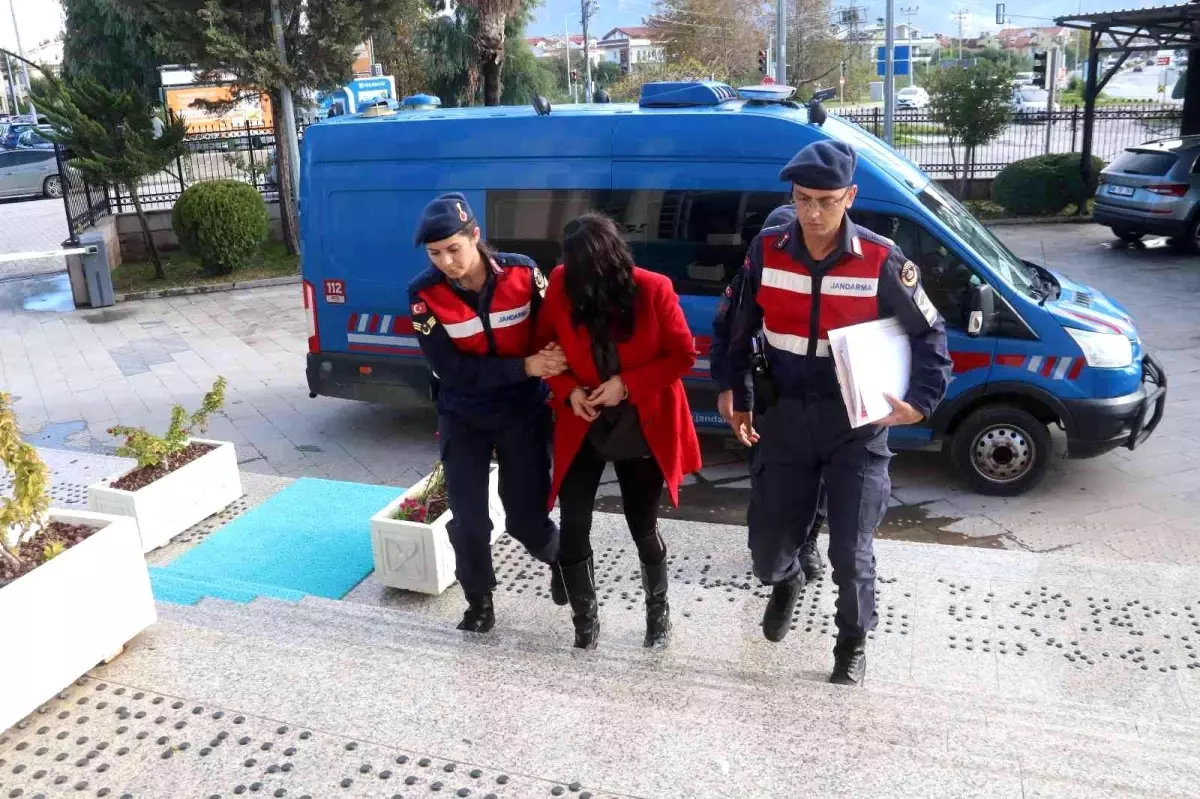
x=367, y=378
x=1098, y=426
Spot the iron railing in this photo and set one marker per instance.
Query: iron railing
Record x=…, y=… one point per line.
x=85, y=203
x=921, y=139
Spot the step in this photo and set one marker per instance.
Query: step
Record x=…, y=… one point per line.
x=419, y=678
x=177, y=583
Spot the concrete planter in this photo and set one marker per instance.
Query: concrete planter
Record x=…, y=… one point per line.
x=72, y=612
x=174, y=502
x=417, y=556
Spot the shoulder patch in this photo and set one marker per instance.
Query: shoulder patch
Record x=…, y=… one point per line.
x=909, y=274
x=729, y=291
x=539, y=279
x=419, y=308
x=426, y=327
x=783, y=241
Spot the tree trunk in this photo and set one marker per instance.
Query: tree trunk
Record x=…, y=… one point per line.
x=287, y=205
x=491, y=55
x=964, y=181
x=159, y=273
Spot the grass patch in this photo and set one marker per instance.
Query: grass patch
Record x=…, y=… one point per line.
x=899, y=139
x=986, y=209
x=183, y=270
x=919, y=128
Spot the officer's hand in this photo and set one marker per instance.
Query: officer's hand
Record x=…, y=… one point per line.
x=548, y=363
x=609, y=393
x=742, y=423
x=725, y=404
x=902, y=413
x=581, y=406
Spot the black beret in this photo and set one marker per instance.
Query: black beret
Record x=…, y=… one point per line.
x=443, y=217
x=780, y=216
x=823, y=165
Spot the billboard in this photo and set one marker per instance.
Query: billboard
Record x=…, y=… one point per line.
x=254, y=110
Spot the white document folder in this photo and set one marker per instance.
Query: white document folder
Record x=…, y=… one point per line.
x=871, y=359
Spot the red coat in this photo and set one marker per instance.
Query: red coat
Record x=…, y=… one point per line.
x=653, y=361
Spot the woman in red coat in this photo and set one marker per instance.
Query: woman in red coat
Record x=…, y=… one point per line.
x=620, y=401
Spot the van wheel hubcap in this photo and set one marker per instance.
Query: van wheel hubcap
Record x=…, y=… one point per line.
x=1002, y=453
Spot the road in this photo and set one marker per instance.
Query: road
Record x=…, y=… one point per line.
x=29, y=226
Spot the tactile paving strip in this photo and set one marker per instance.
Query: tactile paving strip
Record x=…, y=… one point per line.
x=105, y=740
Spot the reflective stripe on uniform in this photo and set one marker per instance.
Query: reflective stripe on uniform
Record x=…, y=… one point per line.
x=797, y=345
x=471, y=327
x=509, y=318
x=786, y=281
x=838, y=286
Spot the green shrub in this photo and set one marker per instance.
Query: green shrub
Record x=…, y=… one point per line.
x=221, y=223
x=1044, y=185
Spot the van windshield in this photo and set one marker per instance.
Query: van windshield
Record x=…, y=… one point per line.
x=1007, y=266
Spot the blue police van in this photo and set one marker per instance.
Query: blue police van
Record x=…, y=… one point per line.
x=690, y=173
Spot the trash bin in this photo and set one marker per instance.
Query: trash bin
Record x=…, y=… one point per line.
x=96, y=271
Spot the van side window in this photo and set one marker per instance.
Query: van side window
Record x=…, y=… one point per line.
x=696, y=238
x=947, y=280
x=531, y=222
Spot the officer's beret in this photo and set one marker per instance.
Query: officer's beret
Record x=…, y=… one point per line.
x=823, y=165
x=780, y=216
x=443, y=217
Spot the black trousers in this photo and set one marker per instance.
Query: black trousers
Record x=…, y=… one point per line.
x=641, y=484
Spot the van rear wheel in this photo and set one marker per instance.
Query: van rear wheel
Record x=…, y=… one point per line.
x=1003, y=450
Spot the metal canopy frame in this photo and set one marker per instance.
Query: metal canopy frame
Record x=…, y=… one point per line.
x=1167, y=27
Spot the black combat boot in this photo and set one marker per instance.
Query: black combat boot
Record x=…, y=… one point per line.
x=580, y=582
x=658, y=612
x=849, y=661
x=558, y=589
x=810, y=558
x=778, y=618
x=480, y=616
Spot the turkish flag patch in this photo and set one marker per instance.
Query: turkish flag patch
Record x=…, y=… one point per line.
x=419, y=308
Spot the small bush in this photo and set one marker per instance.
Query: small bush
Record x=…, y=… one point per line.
x=1044, y=185
x=221, y=223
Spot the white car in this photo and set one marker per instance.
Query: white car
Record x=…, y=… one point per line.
x=912, y=97
x=1030, y=102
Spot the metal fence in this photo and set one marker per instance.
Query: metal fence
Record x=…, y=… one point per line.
x=85, y=203
x=922, y=140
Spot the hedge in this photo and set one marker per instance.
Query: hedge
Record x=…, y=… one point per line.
x=222, y=223
x=1045, y=184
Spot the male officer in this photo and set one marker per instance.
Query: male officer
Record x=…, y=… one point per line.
x=810, y=555
x=816, y=274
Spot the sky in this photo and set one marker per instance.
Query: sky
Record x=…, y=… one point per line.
x=930, y=17
x=39, y=20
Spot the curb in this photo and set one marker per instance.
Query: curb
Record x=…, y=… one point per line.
x=184, y=291
x=1051, y=220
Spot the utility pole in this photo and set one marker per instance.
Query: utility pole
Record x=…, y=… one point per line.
x=961, y=15
x=567, y=44
x=12, y=85
x=24, y=66
x=289, y=112
x=588, y=7
x=1051, y=87
x=910, y=12
x=781, y=42
x=889, y=73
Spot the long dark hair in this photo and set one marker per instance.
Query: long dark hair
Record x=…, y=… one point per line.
x=598, y=277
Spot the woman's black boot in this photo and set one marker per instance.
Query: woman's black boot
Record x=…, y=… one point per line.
x=558, y=589
x=480, y=616
x=580, y=581
x=658, y=612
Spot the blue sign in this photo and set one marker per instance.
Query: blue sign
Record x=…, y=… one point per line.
x=900, y=60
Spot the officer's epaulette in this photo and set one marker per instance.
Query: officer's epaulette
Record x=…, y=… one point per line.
x=783, y=240
x=514, y=259
x=427, y=277
x=871, y=235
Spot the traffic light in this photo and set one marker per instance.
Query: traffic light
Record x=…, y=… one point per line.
x=1039, y=69
x=762, y=61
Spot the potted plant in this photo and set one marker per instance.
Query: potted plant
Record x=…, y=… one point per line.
x=179, y=480
x=409, y=540
x=74, y=586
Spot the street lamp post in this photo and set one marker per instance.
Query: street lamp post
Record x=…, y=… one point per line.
x=24, y=67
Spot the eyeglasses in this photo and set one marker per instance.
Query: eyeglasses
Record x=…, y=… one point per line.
x=823, y=204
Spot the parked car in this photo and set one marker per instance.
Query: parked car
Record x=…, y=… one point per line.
x=15, y=129
x=1151, y=190
x=34, y=140
x=1029, y=102
x=29, y=172
x=912, y=97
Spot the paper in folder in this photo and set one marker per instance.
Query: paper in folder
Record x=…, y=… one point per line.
x=871, y=359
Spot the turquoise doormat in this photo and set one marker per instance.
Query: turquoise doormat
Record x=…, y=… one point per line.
x=313, y=537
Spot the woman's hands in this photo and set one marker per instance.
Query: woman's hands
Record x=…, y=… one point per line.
x=550, y=362
x=586, y=404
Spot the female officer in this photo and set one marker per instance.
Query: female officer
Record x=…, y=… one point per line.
x=475, y=313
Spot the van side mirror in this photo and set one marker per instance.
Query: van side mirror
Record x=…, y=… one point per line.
x=981, y=319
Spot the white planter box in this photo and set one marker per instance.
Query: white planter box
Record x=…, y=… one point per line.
x=416, y=556
x=71, y=613
x=173, y=503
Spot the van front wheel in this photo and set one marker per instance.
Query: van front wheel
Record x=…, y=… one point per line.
x=1003, y=450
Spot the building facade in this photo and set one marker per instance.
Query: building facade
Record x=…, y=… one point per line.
x=633, y=46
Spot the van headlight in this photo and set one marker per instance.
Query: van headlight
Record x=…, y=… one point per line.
x=1103, y=350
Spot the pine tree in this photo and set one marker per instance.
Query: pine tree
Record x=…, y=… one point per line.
x=104, y=43
x=109, y=137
